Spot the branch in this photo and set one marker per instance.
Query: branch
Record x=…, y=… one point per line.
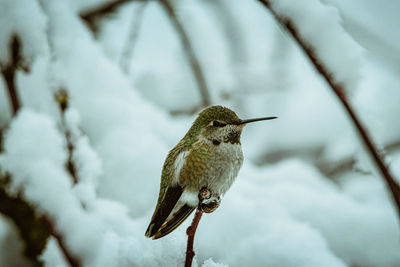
x=31, y=230
x=104, y=9
x=90, y=16
x=347, y=164
x=191, y=231
x=129, y=46
x=189, y=52
x=315, y=155
x=19, y=211
x=340, y=93
x=9, y=71
x=207, y=204
x=71, y=259
x=63, y=100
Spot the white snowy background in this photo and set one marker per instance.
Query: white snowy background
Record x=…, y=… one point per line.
x=287, y=208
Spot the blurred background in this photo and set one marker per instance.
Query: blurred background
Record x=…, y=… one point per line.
x=105, y=88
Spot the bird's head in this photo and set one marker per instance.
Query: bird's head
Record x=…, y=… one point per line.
x=220, y=124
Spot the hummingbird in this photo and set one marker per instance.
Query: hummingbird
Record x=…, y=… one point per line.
x=208, y=157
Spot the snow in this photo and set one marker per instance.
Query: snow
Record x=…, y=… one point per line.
x=287, y=213
x=321, y=23
x=25, y=19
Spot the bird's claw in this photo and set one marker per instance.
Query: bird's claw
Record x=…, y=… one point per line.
x=208, y=202
x=209, y=205
x=204, y=194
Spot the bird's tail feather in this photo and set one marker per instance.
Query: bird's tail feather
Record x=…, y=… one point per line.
x=174, y=221
x=164, y=209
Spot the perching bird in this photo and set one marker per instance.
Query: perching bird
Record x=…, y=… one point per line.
x=208, y=157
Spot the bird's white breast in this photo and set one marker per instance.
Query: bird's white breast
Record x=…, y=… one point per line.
x=224, y=166
x=221, y=171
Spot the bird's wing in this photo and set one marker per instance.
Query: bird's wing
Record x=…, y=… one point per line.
x=164, y=209
x=170, y=192
x=176, y=219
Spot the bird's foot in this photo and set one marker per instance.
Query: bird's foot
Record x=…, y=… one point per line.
x=204, y=194
x=208, y=201
x=211, y=204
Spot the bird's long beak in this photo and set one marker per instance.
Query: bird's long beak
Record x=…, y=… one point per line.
x=256, y=119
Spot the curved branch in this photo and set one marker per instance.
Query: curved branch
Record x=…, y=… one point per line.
x=189, y=52
x=91, y=15
x=31, y=231
x=340, y=93
x=62, y=99
x=127, y=51
x=9, y=71
x=50, y=225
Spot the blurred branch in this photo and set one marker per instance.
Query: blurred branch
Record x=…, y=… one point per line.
x=191, y=111
x=393, y=146
x=340, y=93
x=334, y=169
x=128, y=49
x=231, y=28
x=71, y=259
x=91, y=16
x=62, y=99
x=315, y=155
x=189, y=52
x=9, y=71
x=31, y=230
x=20, y=212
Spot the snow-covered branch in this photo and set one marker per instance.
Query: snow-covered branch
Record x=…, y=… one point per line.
x=62, y=100
x=90, y=16
x=9, y=69
x=30, y=228
x=60, y=238
x=331, y=68
x=114, y=130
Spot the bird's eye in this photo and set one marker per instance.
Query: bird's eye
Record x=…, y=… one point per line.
x=218, y=124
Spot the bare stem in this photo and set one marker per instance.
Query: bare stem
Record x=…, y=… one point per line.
x=129, y=46
x=71, y=259
x=340, y=93
x=90, y=16
x=9, y=71
x=62, y=99
x=191, y=231
x=189, y=52
x=103, y=9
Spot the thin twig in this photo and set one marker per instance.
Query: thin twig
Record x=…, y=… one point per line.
x=189, y=52
x=90, y=16
x=191, y=231
x=315, y=155
x=9, y=71
x=127, y=51
x=62, y=99
x=33, y=230
x=340, y=93
x=104, y=9
x=71, y=259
